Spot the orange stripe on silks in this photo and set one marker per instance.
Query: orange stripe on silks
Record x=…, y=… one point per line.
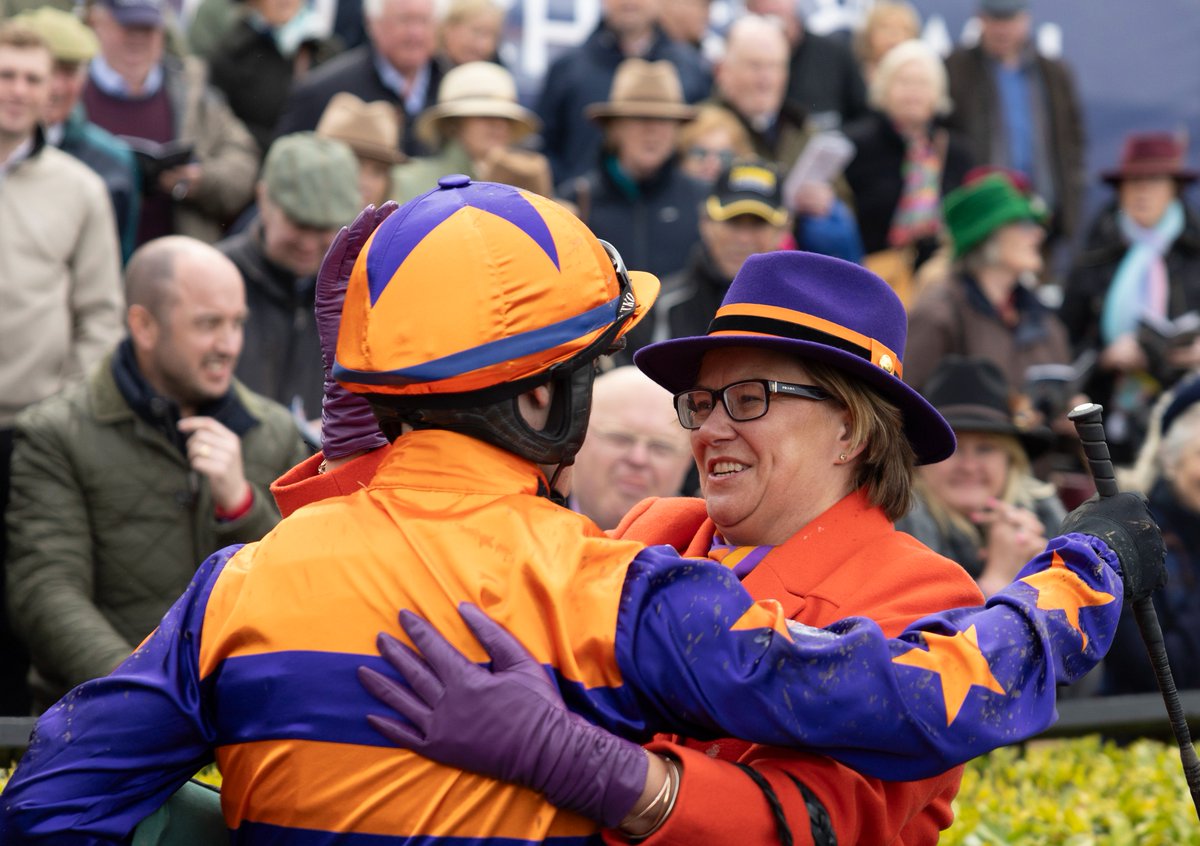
x=731, y=557
x=764, y=614
x=335, y=574
x=876, y=348
x=378, y=790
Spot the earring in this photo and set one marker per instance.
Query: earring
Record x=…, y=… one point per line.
x=842, y=457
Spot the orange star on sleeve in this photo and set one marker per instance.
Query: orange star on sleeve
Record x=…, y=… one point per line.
x=764, y=614
x=959, y=662
x=1060, y=589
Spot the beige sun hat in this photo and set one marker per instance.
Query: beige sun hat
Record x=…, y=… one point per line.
x=642, y=89
x=476, y=89
x=371, y=130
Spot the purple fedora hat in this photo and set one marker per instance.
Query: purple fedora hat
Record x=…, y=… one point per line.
x=821, y=309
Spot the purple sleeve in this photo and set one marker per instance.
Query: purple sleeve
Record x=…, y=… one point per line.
x=112, y=750
x=705, y=660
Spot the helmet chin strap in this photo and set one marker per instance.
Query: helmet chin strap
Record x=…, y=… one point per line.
x=553, y=493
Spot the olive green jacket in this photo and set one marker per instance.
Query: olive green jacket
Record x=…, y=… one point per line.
x=413, y=178
x=107, y=523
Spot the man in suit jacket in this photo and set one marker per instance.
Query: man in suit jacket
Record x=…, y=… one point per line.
x=1021, y=110
x=396, y=65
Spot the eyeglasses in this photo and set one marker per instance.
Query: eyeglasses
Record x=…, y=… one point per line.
x=659, y=449
x=743, y=401
x=724, y=156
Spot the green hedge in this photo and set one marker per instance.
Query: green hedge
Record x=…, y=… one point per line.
x=1079, y=792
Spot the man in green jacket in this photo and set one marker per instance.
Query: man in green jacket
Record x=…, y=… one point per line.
x=122, y=484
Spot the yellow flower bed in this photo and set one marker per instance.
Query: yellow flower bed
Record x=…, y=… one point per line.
x=1079, y=792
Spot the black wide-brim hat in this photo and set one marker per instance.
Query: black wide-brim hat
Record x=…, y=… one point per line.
x=972, y=394
x=817, y=308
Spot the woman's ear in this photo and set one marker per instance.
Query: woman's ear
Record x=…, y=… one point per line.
x=848, y=450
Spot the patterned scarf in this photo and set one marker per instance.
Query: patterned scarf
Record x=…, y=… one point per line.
x=740, y=559
x=1140, y=284
x=918, y=214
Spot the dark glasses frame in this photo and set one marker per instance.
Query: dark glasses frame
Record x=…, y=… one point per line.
x=688, y=416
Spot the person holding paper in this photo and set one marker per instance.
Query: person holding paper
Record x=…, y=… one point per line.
x=751, y=81
x=1140, y=264
x=205, y=160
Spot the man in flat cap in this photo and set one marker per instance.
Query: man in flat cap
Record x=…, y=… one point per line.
x=307, y=192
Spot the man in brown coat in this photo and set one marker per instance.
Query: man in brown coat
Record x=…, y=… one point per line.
x=1020, y=110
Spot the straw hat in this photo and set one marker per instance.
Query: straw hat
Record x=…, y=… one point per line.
x=519, y=168
x=642, y=89
x=371, y=130
x=476, y=89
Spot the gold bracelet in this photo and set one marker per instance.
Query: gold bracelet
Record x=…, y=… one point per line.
x=662, y=804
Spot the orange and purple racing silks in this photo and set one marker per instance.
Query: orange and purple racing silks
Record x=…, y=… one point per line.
x=255, y=666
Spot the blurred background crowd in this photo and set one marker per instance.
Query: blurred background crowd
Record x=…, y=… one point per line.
x=141, y=423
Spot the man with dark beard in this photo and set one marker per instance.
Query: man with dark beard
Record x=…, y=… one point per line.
x=122, y=483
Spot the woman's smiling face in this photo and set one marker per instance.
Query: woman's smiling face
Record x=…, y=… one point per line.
x=764, y=479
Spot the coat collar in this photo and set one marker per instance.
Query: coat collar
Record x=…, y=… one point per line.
x=806, y=564
x=119, y=392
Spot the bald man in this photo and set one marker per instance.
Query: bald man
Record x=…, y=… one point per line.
x=823, y=75
x=122, y=484
x=635, y=448
x=751, y=81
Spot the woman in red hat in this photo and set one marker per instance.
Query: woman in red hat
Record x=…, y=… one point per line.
x=1139, y=269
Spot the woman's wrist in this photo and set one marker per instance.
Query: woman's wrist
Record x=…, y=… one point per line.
x=657, y=800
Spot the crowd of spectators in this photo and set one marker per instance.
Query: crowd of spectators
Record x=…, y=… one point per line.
x=255, y=129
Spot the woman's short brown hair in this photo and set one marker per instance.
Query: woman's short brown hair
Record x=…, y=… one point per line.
x=885, y=466
x=710, y=116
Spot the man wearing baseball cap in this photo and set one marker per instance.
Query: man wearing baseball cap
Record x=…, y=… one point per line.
x=743, y=215
x=198, y=160
x=308, y=190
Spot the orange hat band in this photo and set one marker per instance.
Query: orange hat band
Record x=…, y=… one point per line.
x=755, y=319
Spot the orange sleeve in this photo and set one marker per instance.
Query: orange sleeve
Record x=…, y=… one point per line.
x=719, y=803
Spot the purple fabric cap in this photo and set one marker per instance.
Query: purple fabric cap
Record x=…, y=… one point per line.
x=838, y=291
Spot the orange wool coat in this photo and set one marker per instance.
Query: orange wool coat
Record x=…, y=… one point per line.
x=849, y=561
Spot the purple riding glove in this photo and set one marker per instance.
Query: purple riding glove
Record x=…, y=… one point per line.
x=347, y=424
x=507, y=722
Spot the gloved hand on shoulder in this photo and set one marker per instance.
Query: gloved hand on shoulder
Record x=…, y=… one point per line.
x=507, y=721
